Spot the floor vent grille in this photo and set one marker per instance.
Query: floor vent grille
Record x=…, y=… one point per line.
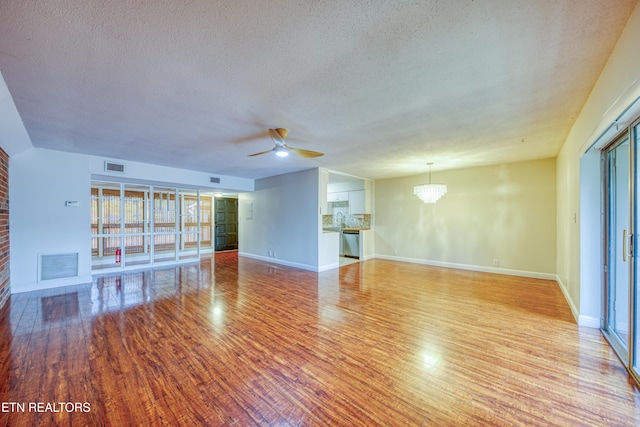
x=58, y=266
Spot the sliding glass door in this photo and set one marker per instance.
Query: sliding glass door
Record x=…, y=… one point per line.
x=164, y=224
x=137, y=244
x=189, y=210
x=616, y=319
x=634, y=294
x=137, y=225
x=106, y=225
x=622, y=261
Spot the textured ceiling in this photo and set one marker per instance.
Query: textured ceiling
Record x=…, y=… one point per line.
x=382, y=87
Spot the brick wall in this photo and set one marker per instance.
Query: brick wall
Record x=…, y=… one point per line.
x=5, y=289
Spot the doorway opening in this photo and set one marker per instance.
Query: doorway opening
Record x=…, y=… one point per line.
x=226, y=224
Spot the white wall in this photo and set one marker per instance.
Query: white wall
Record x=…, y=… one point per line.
x=40, y=181
x=503, y=212
x=329, y=243
x=284, y=224
x=616, y=89
x=148, y=173
x=13, y=136
x=590, y=241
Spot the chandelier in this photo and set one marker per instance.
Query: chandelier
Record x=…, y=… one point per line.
x=430, y=193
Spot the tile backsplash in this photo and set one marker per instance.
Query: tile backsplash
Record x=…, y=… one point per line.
x=342, y=218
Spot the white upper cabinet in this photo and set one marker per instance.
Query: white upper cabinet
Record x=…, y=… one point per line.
x=356, y=192
x=342, y=196
x=357, y=202
x=360, y=202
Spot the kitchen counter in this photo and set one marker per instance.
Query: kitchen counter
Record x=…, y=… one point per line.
x=331, y=229
x=331, y=240
x=339, y=230
x=328, y=250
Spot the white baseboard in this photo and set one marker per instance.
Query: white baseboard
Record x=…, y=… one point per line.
x=531, y=274
x=586, y=321
x=50, y=284
x=572, y=306
x=80, y=280
x=521, y=273
x=581, y=319
x=280, y=261
x=328, y=267
x=589, y=322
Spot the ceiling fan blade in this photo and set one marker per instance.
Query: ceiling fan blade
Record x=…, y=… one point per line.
x=305, y=153
x=276, y=137
x=262, y=152
x=281, y=149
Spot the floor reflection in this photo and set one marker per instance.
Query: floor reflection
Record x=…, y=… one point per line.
x=58, y=308
x=118, y=292
x=243, y=342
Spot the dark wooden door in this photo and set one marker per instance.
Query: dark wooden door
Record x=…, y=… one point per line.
x=226, y=224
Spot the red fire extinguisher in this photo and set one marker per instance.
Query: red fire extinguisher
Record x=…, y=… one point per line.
x=118, y=256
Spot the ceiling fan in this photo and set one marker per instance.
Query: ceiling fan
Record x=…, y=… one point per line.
x=281, y=149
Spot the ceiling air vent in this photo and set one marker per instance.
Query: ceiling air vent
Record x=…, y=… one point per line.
x=215, y=180
x=113, y=167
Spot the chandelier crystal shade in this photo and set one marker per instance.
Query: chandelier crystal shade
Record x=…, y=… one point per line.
x=430, y=193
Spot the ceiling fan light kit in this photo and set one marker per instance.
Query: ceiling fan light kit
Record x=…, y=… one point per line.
x=282, y=150
x=430, y=193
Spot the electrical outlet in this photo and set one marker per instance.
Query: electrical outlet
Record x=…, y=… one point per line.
x=270, y=252
x=395, y=252
x=496, y=262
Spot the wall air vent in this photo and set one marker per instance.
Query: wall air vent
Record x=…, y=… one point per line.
x=113, y=167
x=215, y=180
x=58, y=266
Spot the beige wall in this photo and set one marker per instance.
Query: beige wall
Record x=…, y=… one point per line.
x=505, y=212
x=617, y=87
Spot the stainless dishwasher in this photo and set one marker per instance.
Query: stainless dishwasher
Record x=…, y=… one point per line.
x=351, y=243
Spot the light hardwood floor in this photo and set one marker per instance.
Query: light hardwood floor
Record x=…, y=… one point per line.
x=241, y=342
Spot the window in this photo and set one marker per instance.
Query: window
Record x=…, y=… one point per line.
x=136, y=225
